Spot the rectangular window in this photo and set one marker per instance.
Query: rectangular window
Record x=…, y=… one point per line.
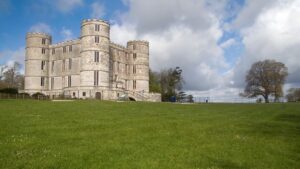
x=96, y=57
x=126, y=56
x=134, y=56
x=69, y=81
x=96, y=78
x=64, y=49
x=133, y=47
x=43, y=63
x=97, y=27
x=52, y=82
x=52, y=66
x=70, y=48
x=53, y=51
x=42, y=81
x=83, y=93
x=134, y=84
x=63, y=65
x=43, y=50
x=96, y=39
x=70, y=64
x=134, y=69
x=43, y=41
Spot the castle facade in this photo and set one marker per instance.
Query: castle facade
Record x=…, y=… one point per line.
x=89, y=67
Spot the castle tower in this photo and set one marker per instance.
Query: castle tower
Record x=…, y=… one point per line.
x=140, y=52
x=94, y=63
x=36, y=62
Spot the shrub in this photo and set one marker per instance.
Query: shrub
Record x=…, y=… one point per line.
x=38, y=95
x=9, y=90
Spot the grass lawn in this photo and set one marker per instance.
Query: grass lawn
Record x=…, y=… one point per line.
x=94, y=134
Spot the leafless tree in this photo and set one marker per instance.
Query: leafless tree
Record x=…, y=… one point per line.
x=2, y=70
x=12, y=78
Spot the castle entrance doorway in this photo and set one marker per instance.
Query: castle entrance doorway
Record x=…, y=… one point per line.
x=98, y=95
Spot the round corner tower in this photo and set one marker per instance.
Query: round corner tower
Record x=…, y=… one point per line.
x=36, y=62
x=140, y=50
x=94, y=69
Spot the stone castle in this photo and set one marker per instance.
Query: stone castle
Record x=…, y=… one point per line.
x=89, y=67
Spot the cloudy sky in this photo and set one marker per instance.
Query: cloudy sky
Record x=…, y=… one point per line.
x=213, y=41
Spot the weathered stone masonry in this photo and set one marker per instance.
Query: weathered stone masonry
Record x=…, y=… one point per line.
x=89, y=67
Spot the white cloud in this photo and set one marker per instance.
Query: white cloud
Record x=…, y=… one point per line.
x=40, y=27
x=181, y=33
x=122, y=33
x=251, y=10
x=67, y=34
x=66, y=5
x=97, y=10
x=12, y=56
x=274, y=34
x=228, y=43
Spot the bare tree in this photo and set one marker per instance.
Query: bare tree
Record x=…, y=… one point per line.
x=12, y=77
x=2, y=70
x=266, y=78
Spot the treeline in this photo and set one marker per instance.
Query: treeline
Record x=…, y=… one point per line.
x=11, y=80
x=169, y=82
x=293, y=95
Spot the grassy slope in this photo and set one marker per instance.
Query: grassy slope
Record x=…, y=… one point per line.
x=92, y=134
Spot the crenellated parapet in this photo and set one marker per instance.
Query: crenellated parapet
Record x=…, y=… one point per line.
x=118, y=46
x=95, y=20
x=65, y=43
x=95, y=27
x=41, y=34
x=139, y=41
x=38, y=40
x=138, y=46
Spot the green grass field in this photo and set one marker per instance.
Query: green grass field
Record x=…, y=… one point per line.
x=94, y=134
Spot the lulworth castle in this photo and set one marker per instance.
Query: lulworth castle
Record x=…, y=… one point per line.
x=89, y=67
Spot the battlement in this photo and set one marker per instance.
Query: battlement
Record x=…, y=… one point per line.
x=30, y=34
x=138, y=41
x=118, y=45
x=94, y=20
x=68, y=42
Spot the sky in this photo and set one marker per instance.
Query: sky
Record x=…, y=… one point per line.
x=214, y=41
